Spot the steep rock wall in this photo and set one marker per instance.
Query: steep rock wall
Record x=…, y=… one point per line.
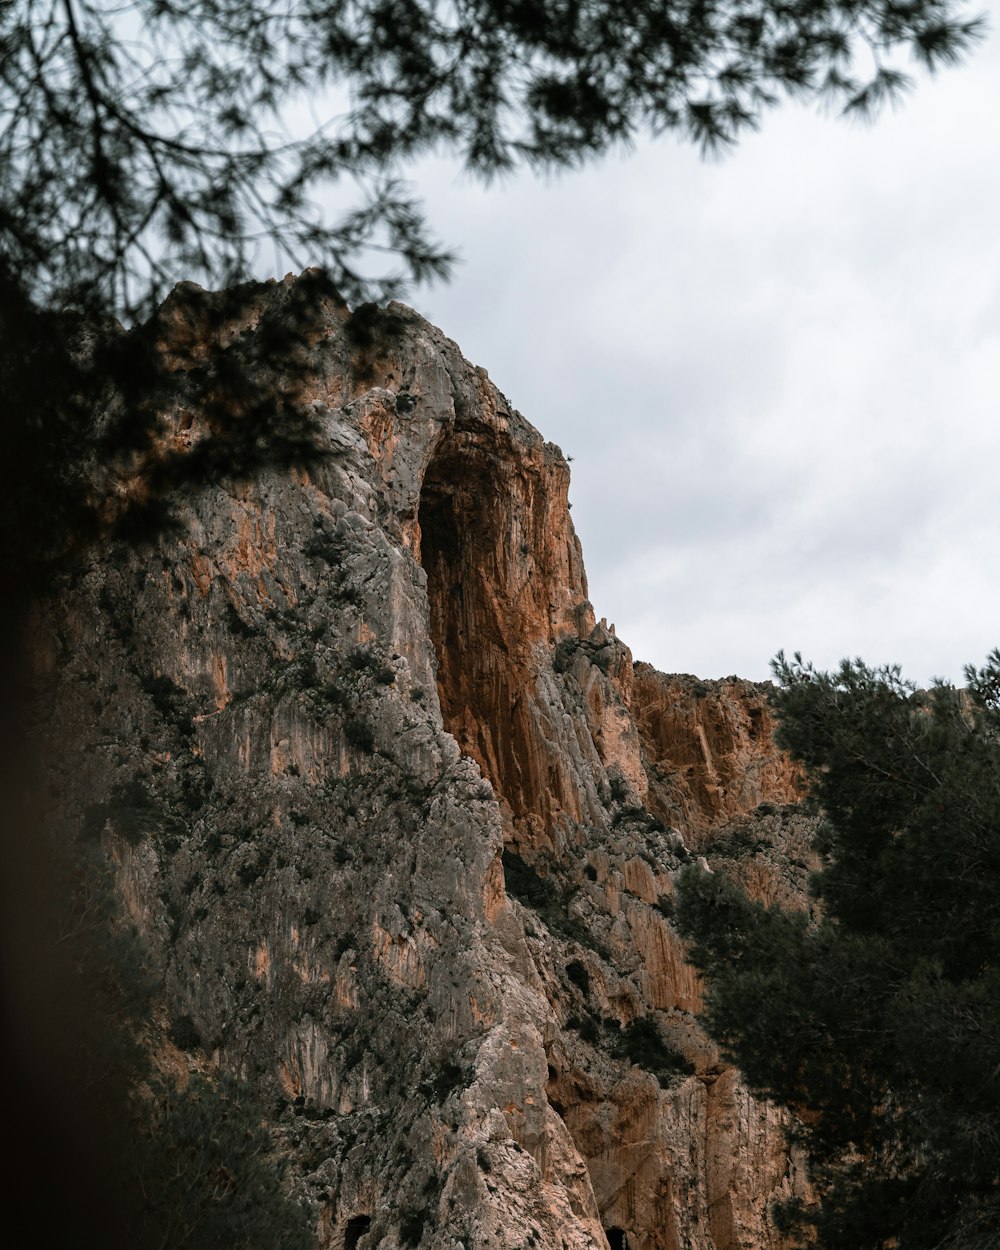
x=709, y=749
x=399, y=821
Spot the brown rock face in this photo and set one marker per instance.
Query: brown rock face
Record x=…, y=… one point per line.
x=709, y=749
x=504, y=581
x=399, y=822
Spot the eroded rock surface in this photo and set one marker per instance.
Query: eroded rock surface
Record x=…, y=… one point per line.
x=709, y=749
x=399, y=819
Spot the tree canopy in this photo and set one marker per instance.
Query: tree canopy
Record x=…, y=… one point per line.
x=145, y=141
x=877, y=1020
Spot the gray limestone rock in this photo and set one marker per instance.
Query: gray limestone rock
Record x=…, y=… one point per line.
x=307, y=726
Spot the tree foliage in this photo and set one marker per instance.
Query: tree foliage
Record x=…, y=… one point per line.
x=88, y=454
x=143, y=141
x=877, y=1020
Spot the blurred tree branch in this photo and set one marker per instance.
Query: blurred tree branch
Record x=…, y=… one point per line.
x=145, y=141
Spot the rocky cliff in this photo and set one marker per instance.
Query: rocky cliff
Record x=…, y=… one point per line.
x=398, y=819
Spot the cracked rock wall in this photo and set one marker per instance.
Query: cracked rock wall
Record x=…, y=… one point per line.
x=399, y=820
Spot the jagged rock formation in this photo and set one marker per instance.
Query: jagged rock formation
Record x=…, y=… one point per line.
x=399, y=819
x=709, y=749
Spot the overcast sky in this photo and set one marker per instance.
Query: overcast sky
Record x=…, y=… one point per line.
x=778, y=376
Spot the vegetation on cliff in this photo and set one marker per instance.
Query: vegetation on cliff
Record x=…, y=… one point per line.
x=140, y=1150
x=876, y=1018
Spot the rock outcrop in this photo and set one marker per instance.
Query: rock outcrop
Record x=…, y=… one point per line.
x=399, y=820
x=709, y=750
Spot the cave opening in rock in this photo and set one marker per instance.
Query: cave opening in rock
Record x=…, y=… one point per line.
x=477, y=512
x=617, y=1238
x=355, y=1229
